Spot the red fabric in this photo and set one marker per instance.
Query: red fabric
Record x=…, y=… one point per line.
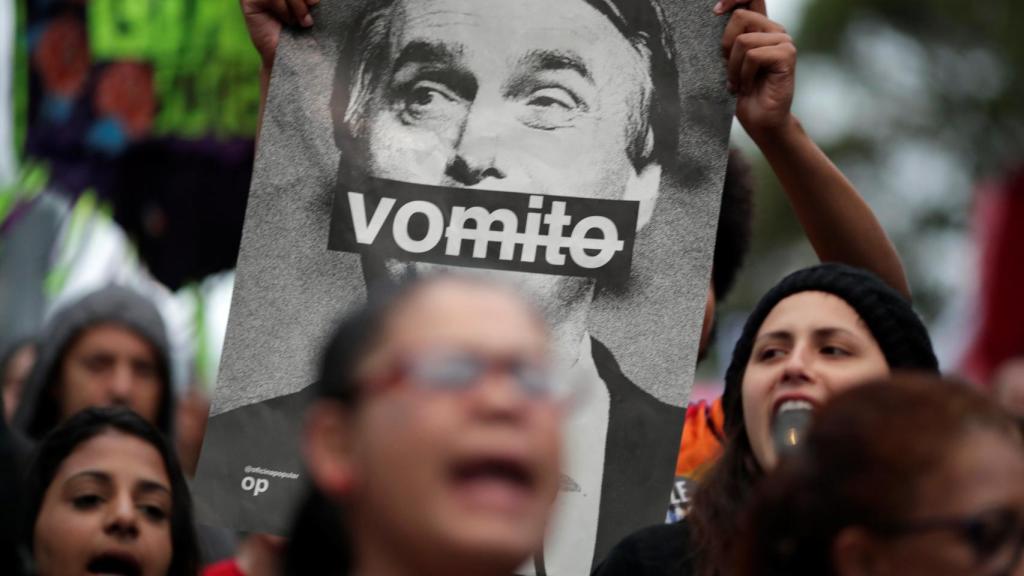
x=223, y=568
x=1000, y=232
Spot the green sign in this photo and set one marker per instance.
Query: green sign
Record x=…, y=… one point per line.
x=206, y=72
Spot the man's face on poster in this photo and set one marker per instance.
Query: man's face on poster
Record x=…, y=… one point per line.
x=529, y=96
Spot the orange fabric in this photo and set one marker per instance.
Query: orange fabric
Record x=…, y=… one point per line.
x=700, y=444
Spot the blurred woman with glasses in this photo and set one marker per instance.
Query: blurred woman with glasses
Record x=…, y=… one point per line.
x=433, y=446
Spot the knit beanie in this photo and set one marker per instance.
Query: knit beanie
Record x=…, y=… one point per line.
x=889, y=317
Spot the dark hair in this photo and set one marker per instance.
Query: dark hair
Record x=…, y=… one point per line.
x=364, y=57
x=92, y=422
x=360, y=331
x=725, y=491
x=732, y=241
x=864, y=458
x=319, y=539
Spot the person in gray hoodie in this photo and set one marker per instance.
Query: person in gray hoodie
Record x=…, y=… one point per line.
x=108, y=348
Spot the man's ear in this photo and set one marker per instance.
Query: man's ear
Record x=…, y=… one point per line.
x=327, y=447
x=643, y=187
x=857, y=552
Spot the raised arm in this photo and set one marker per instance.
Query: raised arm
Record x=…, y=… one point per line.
x=762, y=71
x=264, y=19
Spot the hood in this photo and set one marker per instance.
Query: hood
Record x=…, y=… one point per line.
x=38, y=412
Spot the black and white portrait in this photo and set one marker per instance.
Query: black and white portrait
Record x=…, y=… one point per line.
x=573, y=148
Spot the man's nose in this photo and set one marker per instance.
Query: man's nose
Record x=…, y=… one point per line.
x=476, y=154
x=121, y=382
x=122, y=517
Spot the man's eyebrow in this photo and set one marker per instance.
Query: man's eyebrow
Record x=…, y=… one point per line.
x=540, y=60
x=424, y=52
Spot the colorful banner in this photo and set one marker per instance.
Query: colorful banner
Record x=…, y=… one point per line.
x=154, y=105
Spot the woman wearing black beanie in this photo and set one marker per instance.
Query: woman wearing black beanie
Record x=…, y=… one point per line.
x=819, y=331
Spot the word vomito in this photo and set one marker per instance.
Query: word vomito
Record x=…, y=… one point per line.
x=499, y=225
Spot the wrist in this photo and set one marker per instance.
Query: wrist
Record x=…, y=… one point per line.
x=783, y=133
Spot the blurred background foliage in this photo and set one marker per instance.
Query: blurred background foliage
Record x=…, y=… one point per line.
x=919, y=102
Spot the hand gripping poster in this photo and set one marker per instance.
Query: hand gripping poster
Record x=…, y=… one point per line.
x=575, y=148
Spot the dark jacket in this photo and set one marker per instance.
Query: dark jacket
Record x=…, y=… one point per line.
x=38, y=412
x=662, y=550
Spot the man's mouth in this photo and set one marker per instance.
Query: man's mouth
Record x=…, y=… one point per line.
x=494, y=482
x=114, y=564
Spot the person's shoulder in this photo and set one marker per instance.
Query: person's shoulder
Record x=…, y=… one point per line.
x=663, y=549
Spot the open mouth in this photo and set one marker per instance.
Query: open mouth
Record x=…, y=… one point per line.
x=494, y=482
x=792, y=405
x=114, y=564
x=499, y=470
x=790, y=421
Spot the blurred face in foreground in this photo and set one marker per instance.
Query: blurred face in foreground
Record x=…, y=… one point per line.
x=968, y=516
x=811, y=346
x=107, y=511
x=451, y=457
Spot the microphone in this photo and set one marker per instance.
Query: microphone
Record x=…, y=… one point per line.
x=788, y=430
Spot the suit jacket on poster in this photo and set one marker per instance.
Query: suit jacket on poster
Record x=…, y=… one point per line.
x=640, y=453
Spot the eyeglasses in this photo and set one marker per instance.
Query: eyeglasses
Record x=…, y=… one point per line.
x=460, y=370
x=995, y=536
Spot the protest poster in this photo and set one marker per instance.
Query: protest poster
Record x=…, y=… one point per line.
x=575, y=148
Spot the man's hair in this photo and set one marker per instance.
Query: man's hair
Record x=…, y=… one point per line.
x=364, y=62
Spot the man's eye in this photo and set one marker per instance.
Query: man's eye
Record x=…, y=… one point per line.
x=144, y=370
x=553, y=98
x=425, y=97
x=86, y=501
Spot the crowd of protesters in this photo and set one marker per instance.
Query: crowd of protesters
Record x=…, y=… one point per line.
x=433, y=440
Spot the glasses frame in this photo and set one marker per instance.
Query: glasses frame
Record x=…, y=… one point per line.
x=968, y=529
x=405, y=368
